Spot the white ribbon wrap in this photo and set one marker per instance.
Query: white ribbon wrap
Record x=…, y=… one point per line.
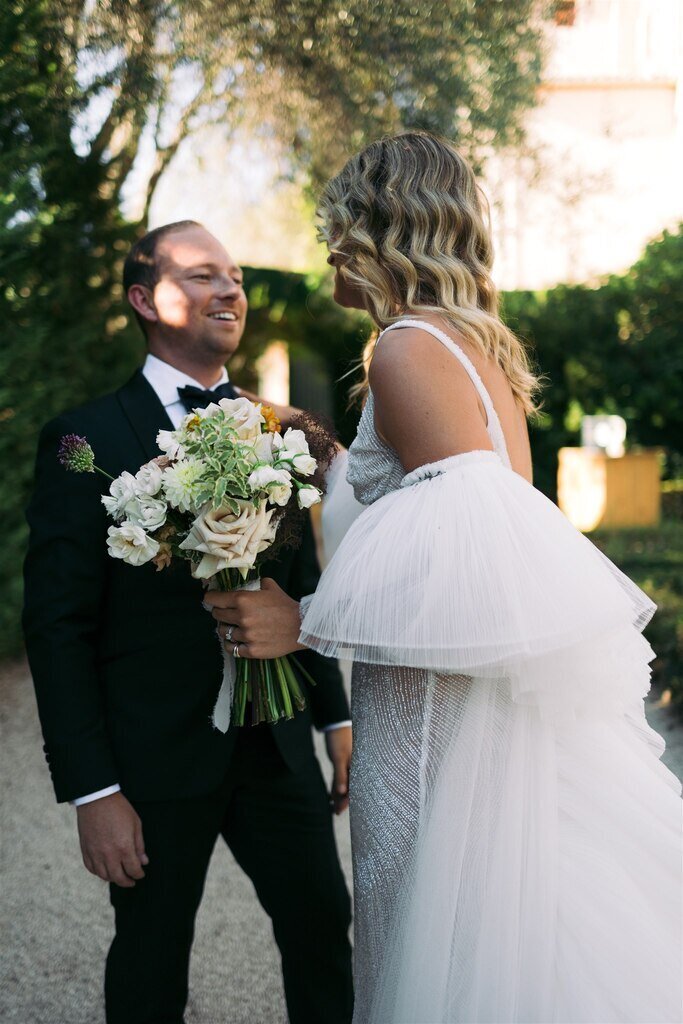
x=222, y=712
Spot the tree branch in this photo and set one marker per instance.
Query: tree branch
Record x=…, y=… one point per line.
x=165, y=154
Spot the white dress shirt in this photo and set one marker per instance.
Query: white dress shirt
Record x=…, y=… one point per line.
x=166, y=379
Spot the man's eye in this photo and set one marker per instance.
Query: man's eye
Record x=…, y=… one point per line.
x=201, y=277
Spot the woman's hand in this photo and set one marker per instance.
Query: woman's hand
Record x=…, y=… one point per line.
x=263, y=623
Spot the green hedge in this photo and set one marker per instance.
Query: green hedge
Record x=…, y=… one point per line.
x=616, y=348
x=654, y=560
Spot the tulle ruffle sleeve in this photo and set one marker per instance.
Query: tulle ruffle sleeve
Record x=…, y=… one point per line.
x=468, y=569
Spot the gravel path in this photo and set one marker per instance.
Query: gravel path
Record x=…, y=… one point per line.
x=56, y=921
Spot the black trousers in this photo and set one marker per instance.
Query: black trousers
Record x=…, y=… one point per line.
x=278, y=825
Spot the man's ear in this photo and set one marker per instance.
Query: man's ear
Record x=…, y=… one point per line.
x=142, y=301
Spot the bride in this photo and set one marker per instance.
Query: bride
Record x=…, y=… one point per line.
x=516, y=840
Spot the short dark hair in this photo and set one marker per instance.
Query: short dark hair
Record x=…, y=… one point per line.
x=141, y=267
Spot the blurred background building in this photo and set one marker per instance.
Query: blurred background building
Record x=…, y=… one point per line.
x=601, y=171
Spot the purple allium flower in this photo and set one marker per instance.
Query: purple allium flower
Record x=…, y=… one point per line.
x=76, y=454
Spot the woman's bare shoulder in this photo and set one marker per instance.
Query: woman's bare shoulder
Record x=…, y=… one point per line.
x=410, y=350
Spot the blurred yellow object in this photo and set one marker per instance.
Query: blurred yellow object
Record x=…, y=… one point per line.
x=595, y=490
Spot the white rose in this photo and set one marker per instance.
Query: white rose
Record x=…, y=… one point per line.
x=122, y=491
x=304, y=465
x=278, y=483
x=245, y=415
x=147, y=512
x=295, y=451
x=229, y=541
x=170, y=442
x=131, y=543
x=295, y=441
x=259, y=449
x=148, y=479
x=307, y=496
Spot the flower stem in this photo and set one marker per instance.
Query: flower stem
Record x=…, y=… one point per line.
x=307, y=676
x=284, y=688
x=293, y=684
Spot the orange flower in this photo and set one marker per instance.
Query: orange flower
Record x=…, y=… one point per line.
x=273, y=425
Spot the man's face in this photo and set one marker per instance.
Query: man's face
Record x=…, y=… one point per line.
x=198, y=300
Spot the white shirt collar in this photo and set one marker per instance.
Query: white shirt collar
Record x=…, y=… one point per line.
x=166, y=379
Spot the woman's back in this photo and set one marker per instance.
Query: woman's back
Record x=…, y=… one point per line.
x=460, y=400
x=511, y=416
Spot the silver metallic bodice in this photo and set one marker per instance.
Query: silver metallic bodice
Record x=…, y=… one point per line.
x=374, y=469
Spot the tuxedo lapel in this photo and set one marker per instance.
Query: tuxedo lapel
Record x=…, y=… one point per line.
x=144, y=411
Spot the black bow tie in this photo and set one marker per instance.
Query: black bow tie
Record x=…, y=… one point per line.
x=197, y=398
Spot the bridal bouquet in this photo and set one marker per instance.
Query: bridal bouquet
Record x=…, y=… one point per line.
x=224, y=495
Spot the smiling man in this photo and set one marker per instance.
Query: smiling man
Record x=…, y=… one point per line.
x=127, y=668
x=187, y=294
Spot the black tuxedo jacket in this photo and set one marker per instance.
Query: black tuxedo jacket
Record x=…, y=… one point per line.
x=125, y=660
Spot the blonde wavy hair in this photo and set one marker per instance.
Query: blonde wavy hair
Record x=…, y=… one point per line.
x=411, y=226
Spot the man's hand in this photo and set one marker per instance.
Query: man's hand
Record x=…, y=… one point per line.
x=265, y=623
x=111, y=840
x=338, y=743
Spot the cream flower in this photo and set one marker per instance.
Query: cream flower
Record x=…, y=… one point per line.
x=295, y=441
x=245, y=415
x=260, y=449
x=122, y=492
x=277, y=482
x=149, y=513
x=307, y=496
x=183, y=483
x=148, y=479
x=131, y=543
x=170, y=442
x=229, y=541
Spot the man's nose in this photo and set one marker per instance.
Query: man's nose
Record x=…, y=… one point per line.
x=228, y=288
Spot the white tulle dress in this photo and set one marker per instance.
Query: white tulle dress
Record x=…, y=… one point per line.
x=517, y=842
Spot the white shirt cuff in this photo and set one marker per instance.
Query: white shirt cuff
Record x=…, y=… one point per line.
x=336, y=725
x=96, y=796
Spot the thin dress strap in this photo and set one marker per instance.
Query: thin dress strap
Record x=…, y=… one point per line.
x=493, y=427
